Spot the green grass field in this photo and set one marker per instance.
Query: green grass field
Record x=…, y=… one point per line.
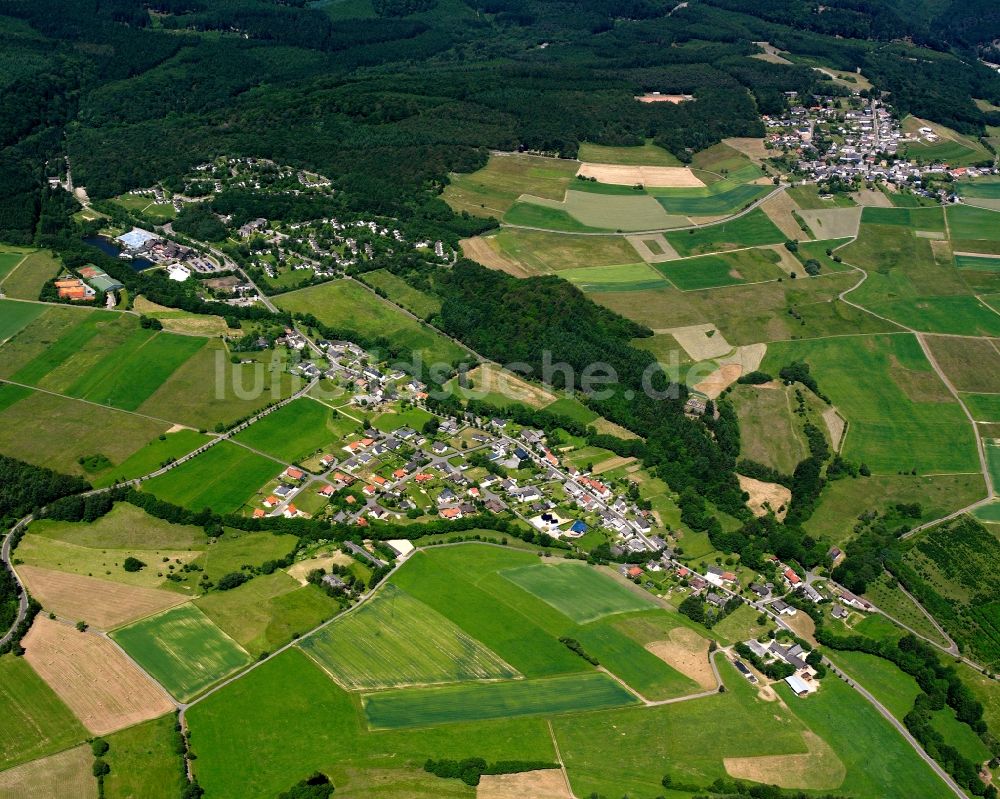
x=395, y=640
x=968, y=223
x=422, y=707
x=492, y=190
x=770, y=431
x=317, y=726
x=9, y=258
x=647, y=154
x=977, y=263
x=124, y=526
x=26, y=280
x=900, y=414
x=293, y=432
x=182, y=649
x=916, y=218
x=888, y=597
x=807, y=198
x=984, y=407
x=573, y=408
x=151, y=457
x=855, y=730
x=716, y=200
x=347, y=305
x=411, y=417
x=14, y=316
x=144, y=762
x=62, y=337
x=223, y=478
x=35, y=721
x=268, y=611
x=234, y=549
x=581, y=593
x=541, y=253
x=750, y=230
x=399, y=291
x=889, y=684
x=984, y=188
x=528, y=214
x=624, y=657
x=626, y=277
x=723, y=269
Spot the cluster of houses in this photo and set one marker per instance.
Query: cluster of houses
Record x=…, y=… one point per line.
x=862, y=143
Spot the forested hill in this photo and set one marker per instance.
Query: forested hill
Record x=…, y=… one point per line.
x=388, y=96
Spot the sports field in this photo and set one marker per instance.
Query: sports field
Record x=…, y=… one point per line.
x=36, y=722
x=348, y=306
x=395, y=640
x=293, y=432
x=182, y=650
x=268, y=611
x=723, y=269
x=222, y=478
x=580, y=592
x=749, y=230
x=900, y=414
x=420, y=707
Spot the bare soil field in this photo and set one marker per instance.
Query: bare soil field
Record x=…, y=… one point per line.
x=833, y=223
x=672, y=177
x=664, y=98
x=779, y=209
x=480, y=249
x=721, y=379
x=836, y=425
x=100, y=603
x=542, y=784
x=103, y=687
x=55, y=777
x=818, y=769
x=653, y=248
x=700, y=342
x=774, y=496
x=687, y=652
x=491, y=379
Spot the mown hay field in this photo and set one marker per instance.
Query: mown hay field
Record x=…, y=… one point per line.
x=395, y=640
x=579, y=592
x=183, y=650
x=421, y=707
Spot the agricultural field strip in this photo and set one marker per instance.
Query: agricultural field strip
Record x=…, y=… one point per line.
x=749, y=209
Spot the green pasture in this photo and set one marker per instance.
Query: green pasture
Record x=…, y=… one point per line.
x=533, y=215
x=817, y=250
x=25, y=281
x=63, y=336
x=222, y=478
x=900, y=415
x=964, y=316
x=889, y=684
x=723, y=269
x=125, y=526
x=182, y=649
x=572, y=408
x=419, y=707
x=492, y=190
x=234, y=549
x=984, y=407
x=293, y=432
x=599, y=210
x=144, y=762
x=855, y=730
x=807, y=198
x=411, y=417
x=725, y=160
x=9, y=258
x=715, y=200
x=268, y=611
x=579, y=592
x=14, y=316
x=627, y=277
x=982, y=188
x=916, y=218
x=35, y=720
x=395, y=640
x=770, y=430
x=348, y=306
x=750, y=230
x=542, y=252
x=968, y=223
x=889, y=597
x=307, y=723
x=399, y=291
x=152, y=456
x=979, y=263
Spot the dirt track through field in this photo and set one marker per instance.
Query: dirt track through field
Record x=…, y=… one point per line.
x=817, y=769
x=59, y=776
x=101, y=603
x=673, y=177
x=541, y=784
x=687, y=652
x=835, y=424
x=95, y=679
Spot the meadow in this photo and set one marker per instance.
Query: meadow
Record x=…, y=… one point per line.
x=647, y=154
x=36, y=722
x=917, y=218
x=15, y=315
x=886, y=594
x=541, y=253
x=182, y=649
x=492, y=190
x=718, y=199
x=402, y=293
x=163, y=448
x=234, y=549
x=347, y=305
x=724, y=269
x=984, y=407
x=968, y=223
x=25, y=281
x=268, y=611
x=769, y=430
x=977, y=263
x=579, y=592
x=222, y=478
x=901, y=416
x=395, y=640
x=124, y=526
x=749, y=230
x=532, y=214
x=144, y=762
x=626, y=277
x=420, y=707
x=972, y=365
x=293, y=432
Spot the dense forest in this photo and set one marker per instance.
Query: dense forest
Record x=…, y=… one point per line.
x=388, y=97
